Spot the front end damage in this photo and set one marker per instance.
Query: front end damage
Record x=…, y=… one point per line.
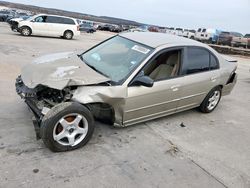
x=41, y=99
x=105, y=102
x=14, y=25
x=58, y=78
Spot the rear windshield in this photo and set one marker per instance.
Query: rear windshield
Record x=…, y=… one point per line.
x=225, y=33
x=236, y=34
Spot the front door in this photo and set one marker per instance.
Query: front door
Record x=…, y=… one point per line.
x=39, y=26
x=145, y=103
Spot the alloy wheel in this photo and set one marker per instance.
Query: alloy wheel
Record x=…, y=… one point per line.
x=70, y=130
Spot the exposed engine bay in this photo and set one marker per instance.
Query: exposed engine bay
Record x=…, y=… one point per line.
x=41, y=99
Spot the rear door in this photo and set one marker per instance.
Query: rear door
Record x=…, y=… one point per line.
x=200, y=71
x=53, y=24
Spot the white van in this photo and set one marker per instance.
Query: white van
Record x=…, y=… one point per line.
x=49, y=25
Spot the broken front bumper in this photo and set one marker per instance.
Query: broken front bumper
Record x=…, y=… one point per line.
x=14, y=26
x=30, y=99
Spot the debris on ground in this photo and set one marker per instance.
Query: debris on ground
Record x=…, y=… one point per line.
x=35, y=170
x=182, y=124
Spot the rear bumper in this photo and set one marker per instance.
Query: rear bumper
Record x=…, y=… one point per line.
x=77, y=33
x=227, y=89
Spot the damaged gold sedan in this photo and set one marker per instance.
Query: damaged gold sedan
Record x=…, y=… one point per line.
x=127, y=79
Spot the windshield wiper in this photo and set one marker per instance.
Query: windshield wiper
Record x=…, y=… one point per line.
x=80, y=56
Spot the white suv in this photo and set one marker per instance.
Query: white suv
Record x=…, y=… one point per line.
x=49, y=25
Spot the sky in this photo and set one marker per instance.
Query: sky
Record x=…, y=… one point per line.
x=230, y=15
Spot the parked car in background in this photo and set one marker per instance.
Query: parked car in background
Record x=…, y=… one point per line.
x=125, y=80
x=162, y=29
x=116, y=28
x=4, y=15
x=241, y=41
x=105, y=27
x=211, y=35
x=170, y=30
x=199, y=34
x=125, y=27
x=178, y=32
x=49, y=25
x=142, y=28
x=86, y=27
x=188, y=33
x=153, y=29
x=225, y=38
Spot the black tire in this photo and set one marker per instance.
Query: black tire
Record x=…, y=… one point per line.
x=68, y=35
x=52, y=118
x=204, y=107
x=25, y=31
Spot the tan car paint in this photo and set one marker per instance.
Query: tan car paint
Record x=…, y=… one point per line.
x=133, y=104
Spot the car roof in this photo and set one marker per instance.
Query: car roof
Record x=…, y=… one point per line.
x=54, y=15
x=155, y=40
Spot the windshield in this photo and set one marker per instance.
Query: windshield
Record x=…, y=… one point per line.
x=116, y=57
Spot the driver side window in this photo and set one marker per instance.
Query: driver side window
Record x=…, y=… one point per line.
x=164, y=66
x=40, y=19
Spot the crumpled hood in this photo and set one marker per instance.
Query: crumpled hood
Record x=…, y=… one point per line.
x=60, y=70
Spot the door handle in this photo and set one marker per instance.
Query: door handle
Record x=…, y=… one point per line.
x=175, y=87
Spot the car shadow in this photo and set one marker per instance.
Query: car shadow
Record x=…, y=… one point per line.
x=38, y=36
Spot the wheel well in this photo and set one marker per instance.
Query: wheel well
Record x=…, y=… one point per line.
x=27, y=27
x=69, y=31
x=221, y=86
x=102, y=111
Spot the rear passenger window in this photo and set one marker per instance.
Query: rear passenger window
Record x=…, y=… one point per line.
x=68, y=21
x=59, y=20
x=197, y=60
x=213, y=63
x=52, y=19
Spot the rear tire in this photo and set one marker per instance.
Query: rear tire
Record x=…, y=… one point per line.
x=211, y=101
x=25, y=31
x=68, y=35
x=67, y=126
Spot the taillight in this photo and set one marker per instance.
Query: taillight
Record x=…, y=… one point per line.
x=78, y=28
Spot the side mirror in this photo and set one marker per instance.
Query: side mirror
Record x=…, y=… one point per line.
x=143, y=81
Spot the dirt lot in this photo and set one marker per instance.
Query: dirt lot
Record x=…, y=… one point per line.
x=210, y=150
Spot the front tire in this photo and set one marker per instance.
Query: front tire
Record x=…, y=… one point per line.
x=25, y=31
x=66, y=127
x=211, y=101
